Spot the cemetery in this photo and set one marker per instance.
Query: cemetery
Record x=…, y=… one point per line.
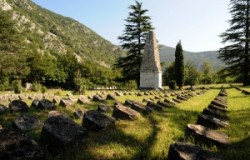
x=119, y=124
x=67, y=93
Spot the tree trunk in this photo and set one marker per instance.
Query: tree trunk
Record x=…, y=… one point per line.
x=246, y=56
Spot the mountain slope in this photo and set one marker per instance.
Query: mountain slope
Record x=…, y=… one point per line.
x=167, y=54
x=47, y=32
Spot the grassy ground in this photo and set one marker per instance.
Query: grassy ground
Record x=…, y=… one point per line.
x=239, y=130
x=149, y=136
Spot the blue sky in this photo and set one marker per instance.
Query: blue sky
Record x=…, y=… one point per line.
x=197, y=23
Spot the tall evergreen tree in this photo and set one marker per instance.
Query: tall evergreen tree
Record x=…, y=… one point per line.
x=179, y=65
x=236, y=54
x=133, y=40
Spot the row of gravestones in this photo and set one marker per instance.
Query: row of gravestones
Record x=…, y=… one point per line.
x=242, y=90
x=203, y=132
x=57, y=133
x=11, y=97
x=178, y=97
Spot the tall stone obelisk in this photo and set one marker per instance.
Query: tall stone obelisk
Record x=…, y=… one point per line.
x=150, y=72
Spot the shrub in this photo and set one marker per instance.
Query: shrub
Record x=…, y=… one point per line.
x=17, y=86
x=36, y=87
x=172, y=84
x=44, y=89
x=130, y=85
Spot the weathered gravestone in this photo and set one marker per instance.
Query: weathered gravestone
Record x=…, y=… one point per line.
x=97, y=98
x=103, y=107
x=219, y=104
x=15, y=145
x=56, y=99
x=34, y=103
x=78, y=114
x=122, y=112
x=55, y=113
x=154, y=106
x=95, y=120
x=169, y=101
x=185, y=151
x=46, y=104
x=203, y=135
x=215, y=113
x=111, y=97
x=60, y=133
x=211, y=122
x=128, y=102
x=83, y=100
x=216, y=108
x=66, y=102
x=165, y=104
x=141, y=108
x=18, y=106
x=26, y=122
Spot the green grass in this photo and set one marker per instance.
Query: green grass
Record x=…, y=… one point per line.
x=239, y=130
x=149, y=136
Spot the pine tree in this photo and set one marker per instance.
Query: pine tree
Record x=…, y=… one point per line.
x=179, y=65
x=133, y=41
x=236, y=54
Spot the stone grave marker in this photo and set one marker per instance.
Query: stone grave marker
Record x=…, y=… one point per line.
x=203, y=135
x=122, y=112
x=66, y=103
x=26, y=122
x=15, y=145
x=83, y=100
x=46, y=104
x=18, y=106
x=95, y=120
x=60, y=133
x=186, y=151
x=78, y=114
x=211, y=122
x=103, y=108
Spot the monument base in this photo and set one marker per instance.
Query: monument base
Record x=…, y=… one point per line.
x=150, y=80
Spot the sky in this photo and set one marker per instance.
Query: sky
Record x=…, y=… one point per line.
x=197, y=23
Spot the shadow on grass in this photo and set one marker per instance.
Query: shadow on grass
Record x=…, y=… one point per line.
x=141, y=147
x=238, y=150
x=108, y=144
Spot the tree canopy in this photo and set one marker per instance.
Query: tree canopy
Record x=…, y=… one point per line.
x=179, y=66
x=236, y=53
x=133, y=41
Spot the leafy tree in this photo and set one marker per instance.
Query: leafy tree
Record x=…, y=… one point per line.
x=179, y=65
x=191, y=74
x=236, y=54
x=207, y=73
x=169, y=74
x=133, y=40
x=45, y=69
x=69, y=65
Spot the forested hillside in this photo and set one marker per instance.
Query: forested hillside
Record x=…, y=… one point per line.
x=167, y=54
x=46, y=31
x=38, y=45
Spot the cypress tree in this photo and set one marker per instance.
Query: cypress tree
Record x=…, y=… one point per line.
x=133, y=41
x=236, y=54
x=179, y=65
